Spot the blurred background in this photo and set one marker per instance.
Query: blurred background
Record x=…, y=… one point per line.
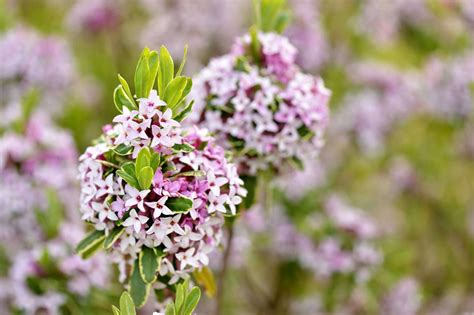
x=382, y=223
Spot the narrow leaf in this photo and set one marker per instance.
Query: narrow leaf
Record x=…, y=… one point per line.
x=142, y=74
x=139, y=290
x=123, y=149
x=126, y=87
x=145, y=177
x=91, y=240
x=183, y=147
x=153, y=64
x=166, y=73
x=183, y=61
x=179, y=204
x=113, y=236
x=121, y=99
x=127, y=307
x=185, y=112
x=149, y=263
x=192, y=301
x=116, y=311
x=180, y=296
x=170, y=309
x=155, y=161
x=174, y=90
x=143, y=160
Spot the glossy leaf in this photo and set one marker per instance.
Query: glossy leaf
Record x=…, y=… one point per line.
x=166, y=70
x=149, y=263
x=179, y=204
x=127, y=307
x=191, y=301
x=90, y=241
x=113, y=236
x=145, y=177
x=139, y=290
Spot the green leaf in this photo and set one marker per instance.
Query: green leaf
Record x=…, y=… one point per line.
x=185, y=112
x=192, y=301
x=180, y=297
x=153, y=64
x=250, y=184
x=255, y=44
x=139, y=290
x=123, y=149
x=121, y=99
x=155, y=161
x=143, y=160
x=149, y=264
x=142, y=74
x=145, y=177
x=166, y=70
x=183, y=61
x=115, y=310
x=127, y=172
x=127, y=307
x=92, y=250
x=205, y=278
x=179, y=204
x=90, y=241
x=113, y=236
x=50, y=218
x=183, y=147
x=126, y=87
x=174, y=91
x=170, y=309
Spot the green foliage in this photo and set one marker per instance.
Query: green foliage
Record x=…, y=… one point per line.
x=186, y=300
x=139, y=289
x=90, y=244
x=271, y=15
x=179, y=204
x=127, y=307
x=127, y=172
x=50, y=219
x=113, y=236
x=149, y=262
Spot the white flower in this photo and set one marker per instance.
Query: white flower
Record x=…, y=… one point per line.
x=216, y=203
x=187, y=258
x=188, y=236
x=135, y=220
x=136, y=198
x=215, y=183
x=160, y=207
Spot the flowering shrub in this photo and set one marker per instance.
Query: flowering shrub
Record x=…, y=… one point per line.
x=156, y=193
x=260, y=105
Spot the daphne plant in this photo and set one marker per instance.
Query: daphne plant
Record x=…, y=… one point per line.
x=258, y=102
x=184, y=304
x=156, y=193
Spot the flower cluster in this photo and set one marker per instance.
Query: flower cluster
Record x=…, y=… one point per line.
x=37, y=182
x=260, y=105
x=176, y=205
x=342, y=243
x=35, y=167
x=388, y=97
x=28, y=61
x=403, y=299
x=32, y=280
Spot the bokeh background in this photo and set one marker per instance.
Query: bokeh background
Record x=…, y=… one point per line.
x=382, y=223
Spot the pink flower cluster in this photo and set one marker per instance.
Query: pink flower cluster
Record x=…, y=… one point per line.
x=37, y=173
x=199, y=173
x=403, y=299
x=267, y=113
x=28, y=60
x=41, y=263
x=344, y=244
x=31, y=164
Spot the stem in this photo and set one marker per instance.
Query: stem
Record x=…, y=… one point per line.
x=225, y=265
